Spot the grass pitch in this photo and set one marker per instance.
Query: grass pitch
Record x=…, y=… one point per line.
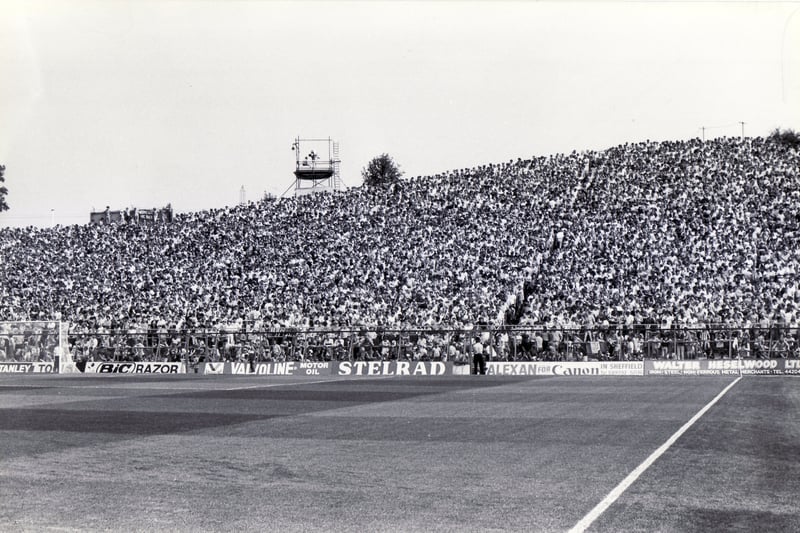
x=192, y=453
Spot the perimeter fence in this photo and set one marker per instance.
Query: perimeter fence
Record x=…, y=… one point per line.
x=624, y=343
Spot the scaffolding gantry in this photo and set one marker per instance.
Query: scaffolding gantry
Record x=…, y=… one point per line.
x=316, y=166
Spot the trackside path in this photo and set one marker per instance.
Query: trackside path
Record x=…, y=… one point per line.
x=617, y=491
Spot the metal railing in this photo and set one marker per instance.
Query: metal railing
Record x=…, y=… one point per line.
x=32, y=341
x=535, y=343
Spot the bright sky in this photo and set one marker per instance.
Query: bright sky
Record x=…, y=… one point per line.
x=142, y=103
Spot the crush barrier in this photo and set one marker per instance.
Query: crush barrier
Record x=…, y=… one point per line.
x=518, y=343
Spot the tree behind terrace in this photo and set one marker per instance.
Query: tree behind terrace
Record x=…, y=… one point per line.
x=381, y=170
x=3, y=190
x=788, y=137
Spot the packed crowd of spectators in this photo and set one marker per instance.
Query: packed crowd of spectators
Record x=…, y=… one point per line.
x=446, y=249
x=677, y=233
x=672, y=233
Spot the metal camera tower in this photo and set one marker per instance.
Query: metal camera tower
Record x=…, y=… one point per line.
x=313, y=172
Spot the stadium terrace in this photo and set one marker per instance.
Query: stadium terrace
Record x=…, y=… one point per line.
x=660, y=234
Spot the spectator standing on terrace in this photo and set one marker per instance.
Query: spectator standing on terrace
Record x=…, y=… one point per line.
x=478, y=357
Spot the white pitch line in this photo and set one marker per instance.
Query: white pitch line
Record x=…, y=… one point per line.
x=617, y=491
x=304, y=382
x=191, y=388
x=264, y=386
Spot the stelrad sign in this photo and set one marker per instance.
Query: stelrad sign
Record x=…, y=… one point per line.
x=391, y=368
